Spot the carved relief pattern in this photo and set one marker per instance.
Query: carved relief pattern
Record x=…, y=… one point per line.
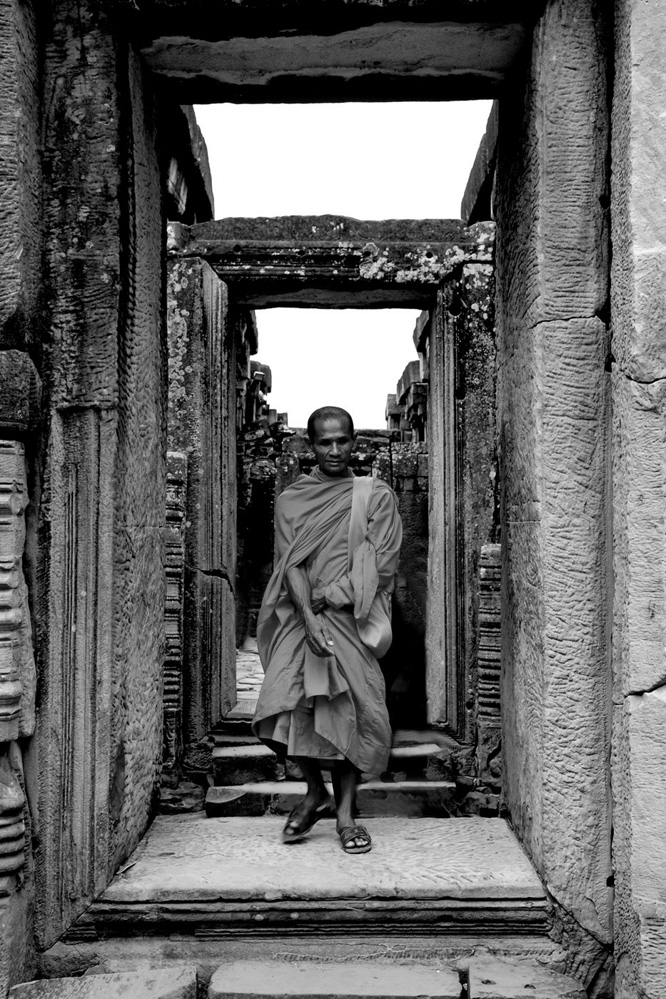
x=173, y=615
x=17, y=666
x=12, y=827
x=489, y=663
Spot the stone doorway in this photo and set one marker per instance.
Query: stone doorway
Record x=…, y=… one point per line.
x=445, y=270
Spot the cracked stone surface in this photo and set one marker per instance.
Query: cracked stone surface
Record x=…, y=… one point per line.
x=187, y=857
x=157, y=983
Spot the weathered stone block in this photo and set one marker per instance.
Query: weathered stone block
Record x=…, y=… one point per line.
x=556, y=685
x=161, y=983
x=185, y=797
x=639, y=785
x=20, y=174
x=639, y=526
x=552, y=181
x=639, y=217
x=492, y=977
x=236, y=765
x=21, y=394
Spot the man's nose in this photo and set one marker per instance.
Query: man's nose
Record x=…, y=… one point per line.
x=335, y=448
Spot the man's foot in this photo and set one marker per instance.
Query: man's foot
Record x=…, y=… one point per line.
x=304, y=816
x=355, y=839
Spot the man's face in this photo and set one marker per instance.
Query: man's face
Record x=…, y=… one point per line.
x=333, y=445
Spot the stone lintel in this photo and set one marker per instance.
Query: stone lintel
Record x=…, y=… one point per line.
x=332, y=261
x=378, y=52
x=20, y=399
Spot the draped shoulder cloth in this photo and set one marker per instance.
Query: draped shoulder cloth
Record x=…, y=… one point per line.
x=350, y=553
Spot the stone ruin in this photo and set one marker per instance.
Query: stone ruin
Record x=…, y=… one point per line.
x=545, y=426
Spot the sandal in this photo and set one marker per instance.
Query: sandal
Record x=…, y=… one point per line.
x=349, y=833
x=301, y=820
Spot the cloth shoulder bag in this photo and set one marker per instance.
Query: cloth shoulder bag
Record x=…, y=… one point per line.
x=374, y=624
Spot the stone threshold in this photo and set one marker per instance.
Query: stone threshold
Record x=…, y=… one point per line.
x=222, y=876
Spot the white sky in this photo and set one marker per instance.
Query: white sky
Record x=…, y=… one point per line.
x=368, y=161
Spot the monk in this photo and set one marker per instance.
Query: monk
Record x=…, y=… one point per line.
x=324, y=619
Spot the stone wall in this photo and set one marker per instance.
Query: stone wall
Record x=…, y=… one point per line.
x=639, y=402
x=553, y=387
x=99, y=602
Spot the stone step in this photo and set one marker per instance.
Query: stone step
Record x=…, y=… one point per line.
x=270, y=979
x=493, y=978
x=396, y=972
x=480, y=978
x=243, y=762
x=225, y=877
x=375, y=798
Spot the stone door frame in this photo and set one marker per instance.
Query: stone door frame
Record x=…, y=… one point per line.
x=333, y=262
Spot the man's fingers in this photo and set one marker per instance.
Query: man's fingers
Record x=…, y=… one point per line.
x=328, y=638
x=321, y=642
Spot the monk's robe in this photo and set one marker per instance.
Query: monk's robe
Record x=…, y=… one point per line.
x=329, y=708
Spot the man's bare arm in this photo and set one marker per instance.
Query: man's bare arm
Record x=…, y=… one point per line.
x=317, y=634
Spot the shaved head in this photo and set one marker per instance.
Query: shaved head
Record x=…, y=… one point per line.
x=329, y=413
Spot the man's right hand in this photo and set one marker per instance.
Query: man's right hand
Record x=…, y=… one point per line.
x=318, y=636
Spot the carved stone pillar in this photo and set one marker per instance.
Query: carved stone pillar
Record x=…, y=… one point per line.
x=173, y=613
x=489, y=661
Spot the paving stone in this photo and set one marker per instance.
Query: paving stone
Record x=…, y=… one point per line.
x=492, y=978
x=268, y=979
x=162, y=983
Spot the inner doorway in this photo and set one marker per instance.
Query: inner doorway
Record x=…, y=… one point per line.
x=366, y=361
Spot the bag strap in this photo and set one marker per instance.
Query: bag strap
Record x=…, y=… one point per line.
x=358, y=522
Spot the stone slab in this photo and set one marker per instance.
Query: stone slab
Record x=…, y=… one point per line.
x=192, y=858
x=355, y=980
x=162, y=983
x=492, y=978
